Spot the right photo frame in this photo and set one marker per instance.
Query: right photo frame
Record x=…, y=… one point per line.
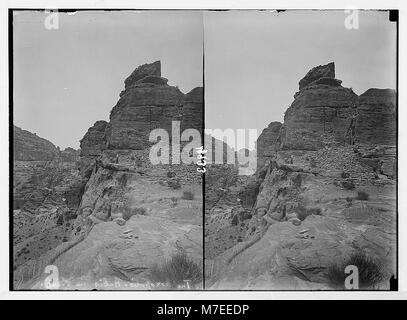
x=301, y=132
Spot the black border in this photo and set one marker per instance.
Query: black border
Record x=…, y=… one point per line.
x=393, y=17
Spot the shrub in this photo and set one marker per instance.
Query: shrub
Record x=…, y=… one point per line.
x=362, y=196
x=60, y=220
x=174, y=201
x=171, y=174
x=297, y=180
x=122, y=180
x=313, y=163
x=235, y=220
x=345, y=175
x=349, y=201
x=129, y=212
x=349, y=185
x=370, y=270
x=188, y=195
x=175, y=270
x=174, y=184
x=303, y=213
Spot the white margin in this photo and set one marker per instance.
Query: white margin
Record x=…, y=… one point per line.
x=201, y=4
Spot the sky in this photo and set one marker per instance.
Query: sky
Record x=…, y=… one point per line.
x=255, y=59
x=67, y=79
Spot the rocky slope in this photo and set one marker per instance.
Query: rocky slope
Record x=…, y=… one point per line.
x=29, y=147
x=324, y=189
x=47, y=189
x=132, y=214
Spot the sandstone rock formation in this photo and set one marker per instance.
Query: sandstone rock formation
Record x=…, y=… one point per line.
x=29, y=147
x=266, y=142
x=69, y=155
x=326, y=114
x=131, y=214
x=47, y=190
x=147, y=103
x=321, y=112
x=377, y=116
x=193, y=110
x=316, y=73
x=94, y=141
x=324, y=189
x=142, y=72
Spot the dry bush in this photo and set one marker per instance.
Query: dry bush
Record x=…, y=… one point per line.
x=348, y=184
x=362, y=195
x=174, y=184
x=303, y=213
x=370, y=271
x=171, y=174
x=129, y=212
x=188, y=195
x=175, y=270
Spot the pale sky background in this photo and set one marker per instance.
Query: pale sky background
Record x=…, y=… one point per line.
x=254, y=60
x=67, y=79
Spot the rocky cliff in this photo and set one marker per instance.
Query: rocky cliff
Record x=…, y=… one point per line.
x=146, y=103
x=132, y=215
x=266, y=142
x=324, y=191
x=377, y=117
x=321, y=112
x=47, y=190
x=30, y=147
x=326, y=114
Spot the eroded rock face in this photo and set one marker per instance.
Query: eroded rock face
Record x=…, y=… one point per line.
x=324, y=114
x=320, y=114
x=324, y=71
x=193, y=110
x=141, y=110
x=94, y=141
x=142, y=72
x=69, y=155
x=303, y=210
x=29, y=147
x=377, y=116
x=149, y=103
x=47, y=189
x=266, y=143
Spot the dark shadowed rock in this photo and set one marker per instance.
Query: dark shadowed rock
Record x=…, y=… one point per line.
x=141, y=110
x=377, y=115
x=69, y=155
x=29, y=147
x=148, y=69
x=266, y=143
x=319, y=115
x=94, y=141
x=154, y=80
x=324, y=71
x=148, y=104
x=193, y=110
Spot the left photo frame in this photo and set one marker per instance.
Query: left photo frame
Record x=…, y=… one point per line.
x=107, y=117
